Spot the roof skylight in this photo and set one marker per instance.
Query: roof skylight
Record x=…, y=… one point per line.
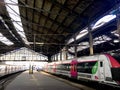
x=101, y=39
x=103, y=20
x=82, y=33
x=70, y=41
x=116, y=33
x=82, y=46
x=13, y=11
x=7, y=27
x=98, y=24
x=4, y=40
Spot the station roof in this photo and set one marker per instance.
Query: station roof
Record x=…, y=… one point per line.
x=49, y=24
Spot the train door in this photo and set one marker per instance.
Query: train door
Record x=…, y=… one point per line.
x=73, y=69
x=101, y=71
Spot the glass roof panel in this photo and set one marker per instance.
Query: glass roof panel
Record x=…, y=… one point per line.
x=13, y=10
x=4, y=40
x=70, y=41
x=101, y=39
x=116, y=33
x=103, y=21
x=98, y=24
x=82, y=33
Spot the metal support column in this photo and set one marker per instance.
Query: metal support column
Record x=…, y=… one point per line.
x=56, y=57
x=65, y=53
x=90, y=40
x=60, y=55
x=118, y=22
x=49, y=59
x=34, y=42
x=75, y=46
x=31, y=65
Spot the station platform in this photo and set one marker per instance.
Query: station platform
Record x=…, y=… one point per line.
x=42, y=81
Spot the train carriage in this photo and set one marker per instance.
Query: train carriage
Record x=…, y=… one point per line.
x=102, y=68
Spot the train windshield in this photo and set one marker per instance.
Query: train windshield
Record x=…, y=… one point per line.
x=116, y=56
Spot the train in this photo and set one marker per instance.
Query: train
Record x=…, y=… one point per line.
x=6, y=69
x=101, y=68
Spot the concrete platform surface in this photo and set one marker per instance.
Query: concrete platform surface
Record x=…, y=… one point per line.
x=40, y=81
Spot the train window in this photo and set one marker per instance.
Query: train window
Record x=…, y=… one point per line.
x=86, y=67
x=101, y=64
x=65, y=67
x=116, y=56
x=58, y=67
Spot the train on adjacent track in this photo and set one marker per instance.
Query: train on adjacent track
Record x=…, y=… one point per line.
x=6, y=69
x=102, y=68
